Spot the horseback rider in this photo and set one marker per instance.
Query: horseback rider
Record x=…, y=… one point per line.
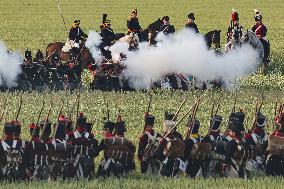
x=235, y=31
x=76, y=36
x=133, y=25
x=191, y=23
x=107, y=36
x=260, y=30
x=166, y=27
x=171, y=149
x=148, y=144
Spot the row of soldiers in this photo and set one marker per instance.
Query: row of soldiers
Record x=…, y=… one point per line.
x=59, y=150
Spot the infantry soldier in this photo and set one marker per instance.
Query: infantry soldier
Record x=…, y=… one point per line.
x=166, y=27
x=107, y=35
x=257, y=141
x=194, y=168
x=148, y=144
x=171, y=149
x=133, y=24
x=76, y=34
x=235, y=31
x=191, y=23
x=233, y=165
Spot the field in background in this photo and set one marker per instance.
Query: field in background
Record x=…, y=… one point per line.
x=35, y=23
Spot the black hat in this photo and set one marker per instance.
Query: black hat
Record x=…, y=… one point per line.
x=169, y=116
x=260, y=121
x=149, y=120
x=258, y=17
x=8, y=128
x=105, y=21
x=39, y=55
x=60, y=131
x=89, y=127
x=47, y=129
x=120, y=128
x=36, y=132
x=81, y=120
x=191, y=16
x=166, y=18
x=109, y=125
x=239, y=115
x=215, y=122
x=195, y=127
x=235, y=126
x=76, y=22
x=17, y=130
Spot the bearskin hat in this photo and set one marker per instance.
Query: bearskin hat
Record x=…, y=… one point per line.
x=215, y=122
x=39, y=54
x=120, y=128
x=168, y=125
x=191, y=16
x=169, y=116
x=36, y=132
x=149, y=120
x=105, y=21
x=260, y=120
x=166, y=18
x=109, y=125
x=47, y=128
x=8, y=128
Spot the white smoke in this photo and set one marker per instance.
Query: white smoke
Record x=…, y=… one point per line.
x=92, y=43
x=10, y=66
x=187, y=53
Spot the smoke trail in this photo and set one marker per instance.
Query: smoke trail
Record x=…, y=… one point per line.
x=92, y=43
x=186, y=53
x=10, y=66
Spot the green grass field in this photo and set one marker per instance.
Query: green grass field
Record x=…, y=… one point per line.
x=35, y=23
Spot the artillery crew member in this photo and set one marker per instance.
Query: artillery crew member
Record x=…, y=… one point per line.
x=191, y=23
x=148, y=144
x=166, y=27
x=107, y=36
x=76, y=34
x=133, y=24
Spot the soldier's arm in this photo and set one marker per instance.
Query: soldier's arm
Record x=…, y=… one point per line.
x=264, y=31
x=101, y=146
x=159, y=152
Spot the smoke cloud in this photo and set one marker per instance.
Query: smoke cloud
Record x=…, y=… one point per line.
x=92, y=43
x=187, y=53
x=10, y=66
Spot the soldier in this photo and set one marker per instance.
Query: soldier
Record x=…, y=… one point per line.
x=194, y=169
x=233, y=165
x=133, y=24
x=76, y=34
x=240, y=117
x=171, y=149
x=191, y=23
x=257, y=140
x=148, y=144
x=260, y=30
x=235, y=31
x=13, y=151
x=28, y=57
x=166, y=27
x=108, y=37
x=274, y=163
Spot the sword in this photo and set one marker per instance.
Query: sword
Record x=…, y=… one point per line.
x=58, y=5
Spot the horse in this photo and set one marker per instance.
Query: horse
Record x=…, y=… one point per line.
x=84, y=57
x=213, y=39
x=262, y=46
x=151, y=31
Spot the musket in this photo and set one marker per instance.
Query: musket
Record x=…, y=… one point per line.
x=20, y=107
x=46, y=119
x=70, y=112
x=190, y=109
x=256, y=114
x=146, y=114
x=60, y=110
x=62, y=16
x=177, y=112
x=4, y=111
x=275, y=108
x=38, y=118
x=188, y=133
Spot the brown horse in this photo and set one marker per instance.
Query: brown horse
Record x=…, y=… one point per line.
x=84, y=57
